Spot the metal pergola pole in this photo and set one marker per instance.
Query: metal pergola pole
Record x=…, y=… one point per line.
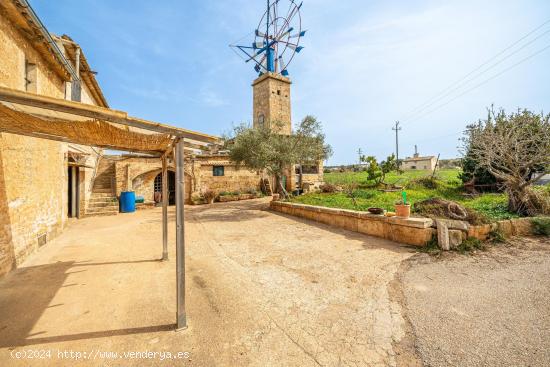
x=164, y=207
x=180, y=238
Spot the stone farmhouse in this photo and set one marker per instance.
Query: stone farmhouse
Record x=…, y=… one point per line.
x=45, y=184
x=209, y=168
x=418, y=162
x=35, y=61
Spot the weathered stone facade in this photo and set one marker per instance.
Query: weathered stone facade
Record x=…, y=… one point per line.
x=138, y=174
x=271, y=102
x=33, y=172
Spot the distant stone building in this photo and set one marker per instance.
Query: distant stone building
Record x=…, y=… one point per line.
x=418, y=162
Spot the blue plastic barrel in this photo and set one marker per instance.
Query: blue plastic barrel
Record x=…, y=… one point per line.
x=127, y=202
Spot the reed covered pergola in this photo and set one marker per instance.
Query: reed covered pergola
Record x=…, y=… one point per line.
x=72, y=122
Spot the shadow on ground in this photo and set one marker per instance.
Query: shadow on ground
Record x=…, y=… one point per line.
x=33, y=288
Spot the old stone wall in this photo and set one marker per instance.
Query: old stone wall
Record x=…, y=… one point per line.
x=33, y=171
x=412, y=231
x=234, y=179
x=138, y=174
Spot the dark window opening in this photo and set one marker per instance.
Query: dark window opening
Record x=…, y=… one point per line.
x=218, y=170
x=30, y=77
x=157, y=188
x=310, y=169
x=278, y=92
x=261, y=119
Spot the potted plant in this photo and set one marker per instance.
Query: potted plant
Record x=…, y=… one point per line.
x=402, y=207
x=209, y=196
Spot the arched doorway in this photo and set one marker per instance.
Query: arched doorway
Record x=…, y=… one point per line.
x=157, y=188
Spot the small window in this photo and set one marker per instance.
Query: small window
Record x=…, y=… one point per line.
x=218, y=170
x=310, y=169
x=30, y=77
x=261, y=119
x=278, y=92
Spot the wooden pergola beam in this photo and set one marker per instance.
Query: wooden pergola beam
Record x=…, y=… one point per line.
x=100, y=113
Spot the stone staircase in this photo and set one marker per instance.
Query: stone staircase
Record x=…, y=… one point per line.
x=103, y=200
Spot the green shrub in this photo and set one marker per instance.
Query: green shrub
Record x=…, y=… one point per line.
x=541, y=226
x=470, y=244
x=427, y=182
x=431, y=247
x=496, y=236
x=328, y=188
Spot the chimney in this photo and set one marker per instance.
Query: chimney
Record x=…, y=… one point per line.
x=416, y=155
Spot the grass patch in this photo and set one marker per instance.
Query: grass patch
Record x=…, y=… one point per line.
x=496, y=236
x=541, y=226
x=431, y=247
x=470, y=244
x=419, y=186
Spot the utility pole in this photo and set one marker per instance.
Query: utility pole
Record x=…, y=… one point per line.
x=397, y=128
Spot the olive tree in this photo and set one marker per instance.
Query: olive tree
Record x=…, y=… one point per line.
x=515, y=149
x=266, y=149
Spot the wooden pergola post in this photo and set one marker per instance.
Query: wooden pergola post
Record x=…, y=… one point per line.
x=164, y=207
x=180, y=235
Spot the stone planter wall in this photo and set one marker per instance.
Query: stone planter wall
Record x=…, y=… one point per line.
x=412, y=231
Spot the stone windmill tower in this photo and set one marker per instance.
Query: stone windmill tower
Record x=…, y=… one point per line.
x=276, y=43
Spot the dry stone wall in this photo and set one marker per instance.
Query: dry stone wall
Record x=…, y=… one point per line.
x=33, y=192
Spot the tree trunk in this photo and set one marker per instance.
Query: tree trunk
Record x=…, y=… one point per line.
x=282, y=190
x=518, y=201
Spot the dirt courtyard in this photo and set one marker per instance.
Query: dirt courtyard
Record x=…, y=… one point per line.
x=263, y=289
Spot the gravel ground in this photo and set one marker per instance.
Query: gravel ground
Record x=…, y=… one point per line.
x=487, y=309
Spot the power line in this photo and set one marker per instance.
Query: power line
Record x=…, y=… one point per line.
x=482, y=83
x=467, y=81
x=438, y=95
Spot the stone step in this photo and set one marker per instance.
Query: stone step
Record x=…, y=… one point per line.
x=102, y=187
x=103, y=180
x=99, y=214
x=102, y=194
x=102, y=191
x=102, y=204
x=102, y=210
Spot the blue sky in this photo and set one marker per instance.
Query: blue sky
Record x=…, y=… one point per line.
x=365, y=65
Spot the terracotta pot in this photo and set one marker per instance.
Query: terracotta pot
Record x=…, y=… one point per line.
x=275, y=197
x=403, y=210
